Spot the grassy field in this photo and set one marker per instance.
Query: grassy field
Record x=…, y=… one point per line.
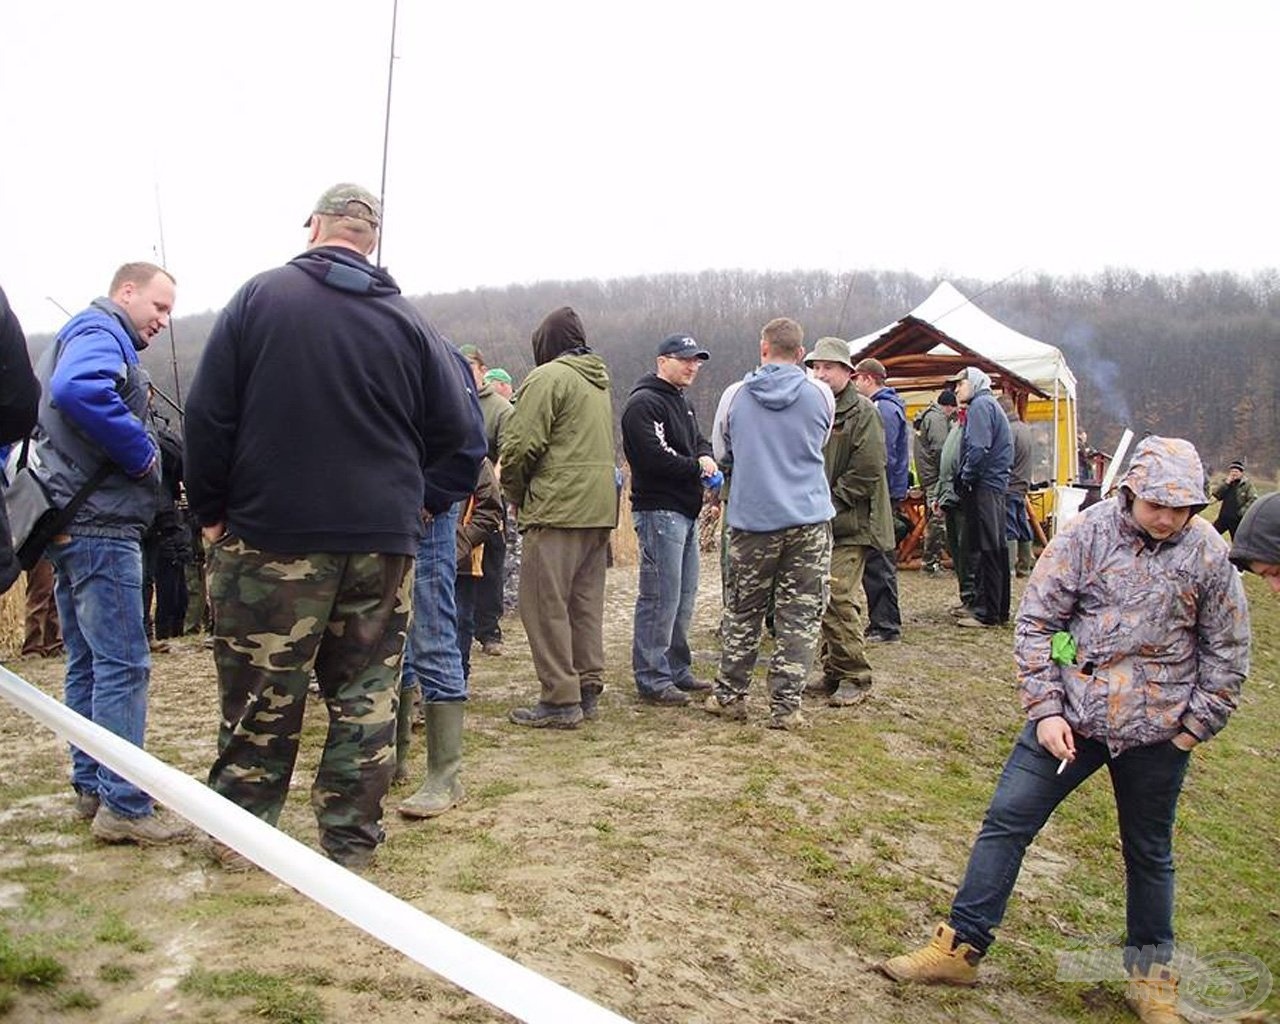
x=674, y=867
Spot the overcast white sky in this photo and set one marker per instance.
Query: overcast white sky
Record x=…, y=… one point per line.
x=552, y=139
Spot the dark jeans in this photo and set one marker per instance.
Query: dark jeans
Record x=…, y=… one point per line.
x=489, y=587
x=1146, y=782
x=464, y=593
x=880, y=584
x=985, y=510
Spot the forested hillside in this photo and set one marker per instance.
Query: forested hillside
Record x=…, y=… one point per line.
x=1193, y=355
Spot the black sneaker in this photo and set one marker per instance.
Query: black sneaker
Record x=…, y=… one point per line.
x=671, y=697
x=548, y=716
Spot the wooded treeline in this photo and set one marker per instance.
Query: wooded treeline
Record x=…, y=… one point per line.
x=1191, y=355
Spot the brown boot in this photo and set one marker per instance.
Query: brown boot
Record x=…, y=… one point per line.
x=1153, y=995
x=944, y=961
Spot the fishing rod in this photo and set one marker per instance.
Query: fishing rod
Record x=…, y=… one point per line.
x=173, y=341
x=386, y=129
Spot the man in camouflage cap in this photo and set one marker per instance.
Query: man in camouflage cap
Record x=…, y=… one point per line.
x=322, y=405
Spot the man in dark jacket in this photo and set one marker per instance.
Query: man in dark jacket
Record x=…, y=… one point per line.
x=932, y=427
x=854, y=461
x=558, y=469
x=19, y=404
x=321, y=404
x=1236, y=494
x=986, y=453
x=670, y=460
x=496, y=409
x=880, y=580
x=93, y=413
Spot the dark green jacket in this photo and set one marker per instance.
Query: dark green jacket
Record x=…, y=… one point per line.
x=854, y=456
x=557, y=446
x=496, y=410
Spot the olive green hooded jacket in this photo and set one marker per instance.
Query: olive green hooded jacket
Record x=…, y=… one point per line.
x=557, y=445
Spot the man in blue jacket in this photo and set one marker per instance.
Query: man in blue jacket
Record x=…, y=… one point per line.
x=93, y=413
x=772, y=426
x=880, y=578
x=986, y=455
x=322, y=403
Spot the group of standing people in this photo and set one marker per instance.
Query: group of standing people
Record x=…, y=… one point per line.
x=320, y=385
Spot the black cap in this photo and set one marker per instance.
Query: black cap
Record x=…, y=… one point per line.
x=682, y=346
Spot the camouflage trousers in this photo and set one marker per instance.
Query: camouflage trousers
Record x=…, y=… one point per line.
x=935, y=537
x=843, y=652
x=791, y=565
x=276, y=620
x=511, y=568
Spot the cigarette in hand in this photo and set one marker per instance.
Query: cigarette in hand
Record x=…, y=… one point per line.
x=1062, y=766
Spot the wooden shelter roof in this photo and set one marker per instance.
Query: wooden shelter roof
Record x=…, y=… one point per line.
x=906, y=350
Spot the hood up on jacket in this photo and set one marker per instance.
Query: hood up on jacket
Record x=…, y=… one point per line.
x=1257, y=538
x=775, y=385
x=1166, y=471
x=560, y=332
x=977, y=379
x=346, y=270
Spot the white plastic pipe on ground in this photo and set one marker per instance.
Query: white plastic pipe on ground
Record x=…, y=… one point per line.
x=487, y=974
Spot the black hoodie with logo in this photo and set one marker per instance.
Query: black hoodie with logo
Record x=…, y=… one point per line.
x=662, y=442
x=322, y=404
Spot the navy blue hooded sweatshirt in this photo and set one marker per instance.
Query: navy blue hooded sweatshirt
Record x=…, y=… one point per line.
x=322, y=403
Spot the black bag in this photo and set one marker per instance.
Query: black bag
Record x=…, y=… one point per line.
x=34, y=518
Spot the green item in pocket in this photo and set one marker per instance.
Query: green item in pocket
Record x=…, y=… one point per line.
x=1062, y=648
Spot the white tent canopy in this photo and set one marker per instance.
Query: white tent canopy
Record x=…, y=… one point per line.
x=952, y=313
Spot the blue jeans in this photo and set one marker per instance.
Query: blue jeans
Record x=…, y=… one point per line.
x=99, y=597
x=1146, y=782
x=431, y=650
x=660, y=654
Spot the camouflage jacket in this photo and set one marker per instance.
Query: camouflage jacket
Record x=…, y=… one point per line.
x=1161, y=628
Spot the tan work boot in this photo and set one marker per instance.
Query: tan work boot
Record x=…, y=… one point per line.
x=1153, y=996
x=942, y=962
x=442, y=789
x=791, y=721
x=147, y=831
x=734, y=711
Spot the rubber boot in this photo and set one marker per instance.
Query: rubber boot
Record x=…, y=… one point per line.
x=442, y=789
x=404, y=733
x=1012, y=545
x=1026, y=559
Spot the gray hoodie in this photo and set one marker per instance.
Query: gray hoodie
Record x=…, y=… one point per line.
x=772, y=426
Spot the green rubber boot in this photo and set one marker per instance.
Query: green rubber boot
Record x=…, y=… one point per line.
x=404, y=734
x=442, y=789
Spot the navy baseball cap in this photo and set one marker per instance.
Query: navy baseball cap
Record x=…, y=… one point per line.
x=682, y=346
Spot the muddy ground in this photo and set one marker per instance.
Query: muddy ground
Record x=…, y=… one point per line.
x=671, y=866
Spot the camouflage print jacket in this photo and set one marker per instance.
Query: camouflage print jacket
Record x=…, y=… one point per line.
x=1161, y=628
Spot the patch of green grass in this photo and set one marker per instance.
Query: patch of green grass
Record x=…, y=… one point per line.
x=78, y=999
x=115, y=974
x=496, y=790
x=114, y=931
x=275, y=999
x=20, y=964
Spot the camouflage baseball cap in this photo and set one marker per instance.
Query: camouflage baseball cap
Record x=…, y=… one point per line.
x=338, y=202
